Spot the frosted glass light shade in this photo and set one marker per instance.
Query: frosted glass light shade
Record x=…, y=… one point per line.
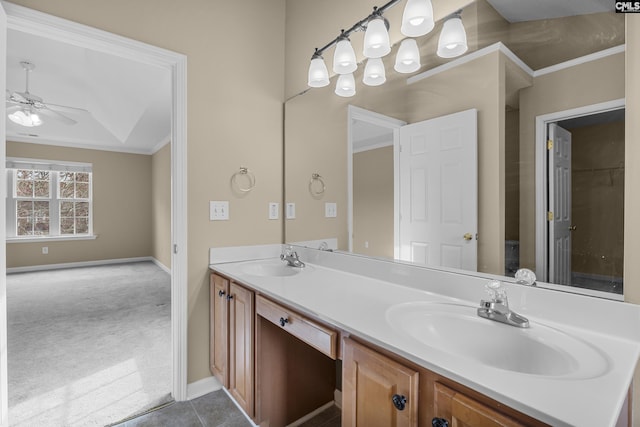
x=376, y=39
x=417, y=18
x=408, y=57
x=318, y=73
x=346, y=85
x=374, y=74
x=344, y=58
x=25, y=118
x=453, y=38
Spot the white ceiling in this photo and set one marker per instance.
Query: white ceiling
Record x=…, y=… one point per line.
x=120, y=105
x=533, y=10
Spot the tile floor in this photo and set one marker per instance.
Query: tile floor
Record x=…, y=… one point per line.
x=214, y=410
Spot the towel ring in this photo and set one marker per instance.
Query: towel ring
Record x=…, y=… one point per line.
x=250, y=176
x=316, y=185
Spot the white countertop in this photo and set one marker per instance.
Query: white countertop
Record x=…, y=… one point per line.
x=354, y=293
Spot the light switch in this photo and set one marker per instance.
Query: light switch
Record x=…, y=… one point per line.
x=218, y=210
x=291, y=211
x=274, y=210
x=330, y=210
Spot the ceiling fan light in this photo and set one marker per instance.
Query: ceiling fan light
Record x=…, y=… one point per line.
x=376, y=39
x=344, y=58
x=374, y=73
x=408, y=57
x=25, y=118
x=417, y=18
x=346, y=85
x=453, y=38
x=318, y=73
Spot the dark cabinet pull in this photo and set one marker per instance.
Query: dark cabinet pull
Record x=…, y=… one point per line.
x=439, y=422
x=283, y=321
x=221, y=293
x=399, y=402
x=229, y=297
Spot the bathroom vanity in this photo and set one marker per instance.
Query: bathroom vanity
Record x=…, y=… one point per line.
x=403, y=345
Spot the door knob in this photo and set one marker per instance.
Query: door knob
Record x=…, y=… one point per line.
x=439, y=422
x=572, y=228
x=221, y=293
x=229, y=297
x=283, y=321
x=468, y=236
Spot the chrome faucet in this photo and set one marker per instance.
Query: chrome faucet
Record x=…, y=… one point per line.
x=291, y=257
x=498, y=307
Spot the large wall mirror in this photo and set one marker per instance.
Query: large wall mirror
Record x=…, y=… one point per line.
x=545, y=90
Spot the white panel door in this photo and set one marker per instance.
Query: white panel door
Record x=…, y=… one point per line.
x=438, y=191
x=559, y=205
x=4, y=398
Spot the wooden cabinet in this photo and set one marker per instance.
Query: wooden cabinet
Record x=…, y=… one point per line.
x=377, y=391
x=232, y=335
x=460, y=410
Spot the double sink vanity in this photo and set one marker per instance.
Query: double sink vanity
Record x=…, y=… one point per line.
x=395, y=344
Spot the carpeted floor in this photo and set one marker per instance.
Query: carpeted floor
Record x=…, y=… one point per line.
x=88, y=346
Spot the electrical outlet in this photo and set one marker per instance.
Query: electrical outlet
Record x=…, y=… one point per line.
x=45, y=250
x=330, y=210
x=218, y=210
x=291, y=211
x=274, y=210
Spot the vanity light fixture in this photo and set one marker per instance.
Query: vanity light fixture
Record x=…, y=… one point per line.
x=344, y=57
x=25, y=117
x=346, y=85
x=376, y=37
x=417, y=19
x=408, y=57
x=318, y=73
x=374, y=74
x=453, y=38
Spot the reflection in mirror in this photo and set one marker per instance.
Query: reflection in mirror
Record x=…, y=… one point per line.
x=518, y=87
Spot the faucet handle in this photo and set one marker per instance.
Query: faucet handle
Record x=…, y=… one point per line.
x=524, y=276
x=496, y=291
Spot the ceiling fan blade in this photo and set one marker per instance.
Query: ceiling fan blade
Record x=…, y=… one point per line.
x=65, y=108
x=48, y=112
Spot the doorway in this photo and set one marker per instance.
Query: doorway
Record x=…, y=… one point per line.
x=27, y=20
x=583, y=196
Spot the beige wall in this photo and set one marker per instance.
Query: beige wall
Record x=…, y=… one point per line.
x=121, y=208
x=373, y=202
x=579, y=86
x=161, y=205
x=234, y=119
x=632, y=180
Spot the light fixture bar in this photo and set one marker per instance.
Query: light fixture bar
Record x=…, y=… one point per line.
x=358, y=26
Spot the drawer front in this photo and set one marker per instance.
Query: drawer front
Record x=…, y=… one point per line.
x=316, y=335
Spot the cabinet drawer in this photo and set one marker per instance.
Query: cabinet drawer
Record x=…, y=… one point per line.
x=316, y=335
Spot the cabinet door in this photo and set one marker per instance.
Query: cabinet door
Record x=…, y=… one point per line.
x=461, y=411
x=377, y=391
x=219, y=329
x=241, y=326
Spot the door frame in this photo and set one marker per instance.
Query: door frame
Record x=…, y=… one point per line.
x=360, y=114
x=541, y=177
x=37, y=23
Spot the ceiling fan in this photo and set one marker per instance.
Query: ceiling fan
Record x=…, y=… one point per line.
x=27, y=109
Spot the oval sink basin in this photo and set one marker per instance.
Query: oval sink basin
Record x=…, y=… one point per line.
x=270, y=269
x=538, y=350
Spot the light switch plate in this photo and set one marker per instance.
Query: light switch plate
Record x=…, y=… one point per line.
x=218, y=210
x=330, y=210
x=274, y=210
x=291, y=211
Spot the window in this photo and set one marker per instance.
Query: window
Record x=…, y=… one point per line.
x=48, y=199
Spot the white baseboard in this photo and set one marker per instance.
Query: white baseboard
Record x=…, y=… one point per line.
x=202, y=387
x=161, y=265
x=85, y=264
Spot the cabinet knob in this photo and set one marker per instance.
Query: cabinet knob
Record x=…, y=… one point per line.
x=399, y=402
x=283, y=321
x=221, y=293
x=229, y=297
x=439, y=422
